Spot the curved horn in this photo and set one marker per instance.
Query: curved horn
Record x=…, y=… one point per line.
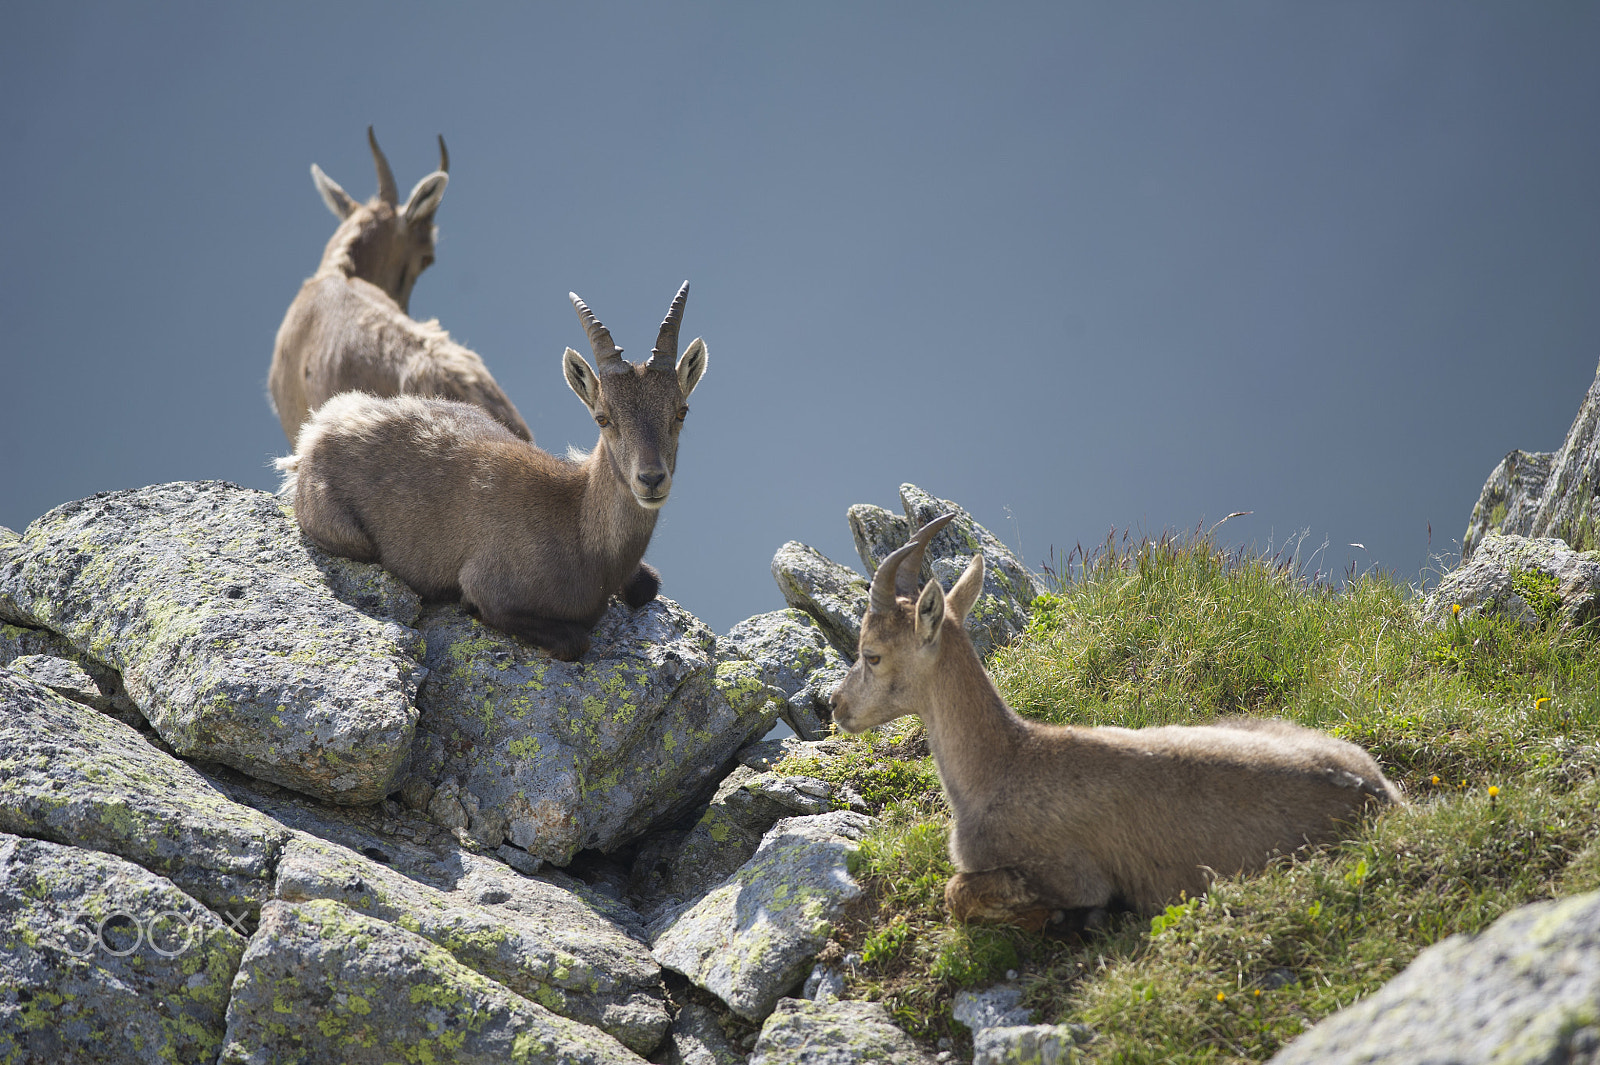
x=894, y=576
x=388, y=191
x=444, y=155
x=606, y=352
x=665, y=353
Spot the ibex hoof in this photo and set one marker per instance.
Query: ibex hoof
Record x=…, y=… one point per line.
x=641, y=587
x=999, y=895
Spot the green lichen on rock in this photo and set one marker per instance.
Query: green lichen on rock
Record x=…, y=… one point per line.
x=359, y=990
x=799, y=1032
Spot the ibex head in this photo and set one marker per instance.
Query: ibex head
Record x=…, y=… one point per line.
x=639, y=407
x=898, y=668
x=388, y=243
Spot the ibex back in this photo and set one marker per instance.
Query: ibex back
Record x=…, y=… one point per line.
x=451, y=502
x=1051, y=818
x=349, y=328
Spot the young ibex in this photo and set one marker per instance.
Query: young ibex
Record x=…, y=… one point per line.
x=349, y=327
x=453, y=504
x=1053, y=818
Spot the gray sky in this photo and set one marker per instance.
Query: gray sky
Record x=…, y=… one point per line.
x=1072, y=265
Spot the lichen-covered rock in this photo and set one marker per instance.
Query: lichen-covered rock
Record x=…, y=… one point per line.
x=75, y=776
x=1526, y=989
x=834, y=596
x=102, y=961
x=1029, y=1044
x=697, y=1039
x=105, y=692
x=322, y=983
x=536, y=939
x=1546, y=494
x=673, y=868
x=1009, y=587
x=586, y=754
x=752, y=938
x=834, y=1033
x=999, y=1006
x=796, y=658
x=1531, y=581
x=227, y=632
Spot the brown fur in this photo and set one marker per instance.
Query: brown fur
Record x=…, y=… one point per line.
x=349, y=329
x=1050, y=818
x=454, y=504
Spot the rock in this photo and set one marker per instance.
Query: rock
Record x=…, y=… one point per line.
x=1545, y=494
x=1030, y=1044
x=1531, y=581
x=697, y=1039
x=74, y=776
x=105, y=694
x=833, y=1033
x=752, y=938
x=678, y=868
x=999, y=1006
x=1527, y=988
x=825, y=984
x=227, y=634
x=795, y=658
x=102, y=961
x=320, y=982
x=834, y=596
x=764, y=754
x=586, y=754
x=1009, y=587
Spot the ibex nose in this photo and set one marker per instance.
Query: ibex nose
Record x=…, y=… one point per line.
x=652, y=481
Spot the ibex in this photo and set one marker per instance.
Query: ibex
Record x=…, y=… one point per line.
x=349, y=327
x=1051, y=818
x=452, y=503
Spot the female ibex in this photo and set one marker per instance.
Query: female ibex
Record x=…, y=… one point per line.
x=1057, y=818
x=453, y=504
x=349, y=329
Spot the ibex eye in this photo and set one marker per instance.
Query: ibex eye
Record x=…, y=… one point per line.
x=683, y=412
x=601, y=420
x=873, y=660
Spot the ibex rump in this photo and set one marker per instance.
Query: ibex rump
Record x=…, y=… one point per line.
x=452, y=503
x=349, y=328
x=1058, y=818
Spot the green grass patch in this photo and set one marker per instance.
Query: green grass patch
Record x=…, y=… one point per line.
x=1491, y=727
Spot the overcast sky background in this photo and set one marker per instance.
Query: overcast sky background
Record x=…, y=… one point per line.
x=1074, y=266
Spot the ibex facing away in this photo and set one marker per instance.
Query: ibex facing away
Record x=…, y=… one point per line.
x=349, y=327
x=452, y=503
x=1055, y=818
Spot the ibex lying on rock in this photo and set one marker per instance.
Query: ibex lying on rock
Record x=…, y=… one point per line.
x=1055, y=818
x=452, y=503
x=349, y=330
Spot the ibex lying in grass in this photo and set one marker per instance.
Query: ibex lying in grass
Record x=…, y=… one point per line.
x=1054, y=818
x=453, y=504
x=349, y=330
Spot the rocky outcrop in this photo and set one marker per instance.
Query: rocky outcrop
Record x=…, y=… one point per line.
x=556, y=756
x=752, y=939
x=833, y=1033
x=101, y=960
x=226, y=634
x=796, y=659
x=1530, y=581
x=1546, y=494
x=1526, y=989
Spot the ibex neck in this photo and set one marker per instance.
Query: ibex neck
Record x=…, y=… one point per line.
x=614, y=524
x=972, y=733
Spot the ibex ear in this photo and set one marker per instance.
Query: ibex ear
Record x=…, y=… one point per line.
x=340, y=202
x=581, y=378
x=930, y=611
x=425, y=197
x=967, y=589
x=692, y=366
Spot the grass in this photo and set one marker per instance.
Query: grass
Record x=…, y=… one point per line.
x=1177, y=630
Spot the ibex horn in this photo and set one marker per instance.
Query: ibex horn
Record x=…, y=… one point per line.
x=444, y=155
x=897, y=574
x=667, y=340
x=388, y=191
x=606, y=352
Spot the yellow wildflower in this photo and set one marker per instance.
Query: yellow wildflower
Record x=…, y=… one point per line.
x=1493, y=791
x=1455, y=608
x=1221, y=997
